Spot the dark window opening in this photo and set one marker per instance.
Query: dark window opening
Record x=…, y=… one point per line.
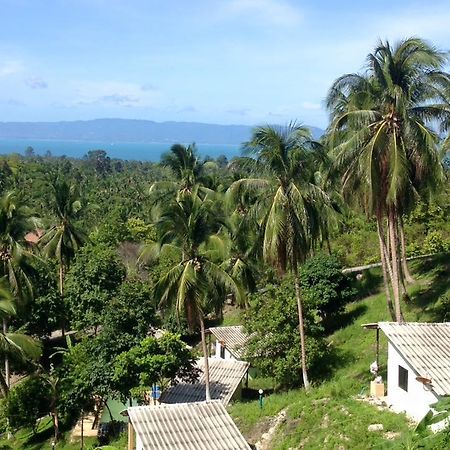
x=403, y=378
x=222, y=350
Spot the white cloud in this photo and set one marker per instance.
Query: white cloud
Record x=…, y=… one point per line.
x=114, y=93
x=10, y=68
x=278, y=12
x=36, y=83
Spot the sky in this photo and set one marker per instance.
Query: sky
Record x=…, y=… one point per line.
x=215, y=61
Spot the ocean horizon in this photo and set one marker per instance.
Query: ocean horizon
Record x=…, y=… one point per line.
x=136, y=151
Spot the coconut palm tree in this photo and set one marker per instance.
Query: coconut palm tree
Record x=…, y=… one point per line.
x=196, y=285
x=186, y=167
x=290, y=201
x=15, y=221
x=384, y=145
x=63, y=239
x=16, y=345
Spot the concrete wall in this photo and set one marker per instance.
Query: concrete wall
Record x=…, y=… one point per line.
x=415, y=403
x=139, y=444
x=228, y=355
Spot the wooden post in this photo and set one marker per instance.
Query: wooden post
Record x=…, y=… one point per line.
x=131, y=440
x=82, y=430
x=378, y=348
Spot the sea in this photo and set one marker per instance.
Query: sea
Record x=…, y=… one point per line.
x=121, y=150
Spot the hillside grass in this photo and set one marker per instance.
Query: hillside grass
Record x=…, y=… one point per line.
x=331, y=415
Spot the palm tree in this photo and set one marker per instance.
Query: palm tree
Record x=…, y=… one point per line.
x=384, y=145
x=15, y=221
x=63, y=239
x=197, y=284
x=187, y=169
x=16, y=345
x=290, y=201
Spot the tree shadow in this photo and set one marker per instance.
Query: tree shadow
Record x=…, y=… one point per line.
x=336, y=358
x=346, y=318
x=428, y=295
x=39, y=439
x=369, y=283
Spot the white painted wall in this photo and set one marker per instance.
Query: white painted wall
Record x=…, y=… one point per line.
x=139, y=444
x=228, y=355
x=416, y=402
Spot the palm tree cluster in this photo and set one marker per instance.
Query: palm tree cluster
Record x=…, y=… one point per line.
x=385, y=136
x=380, y=153
x=61, y=241
x=219, y=237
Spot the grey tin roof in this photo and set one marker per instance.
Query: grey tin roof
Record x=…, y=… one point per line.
x=426, y=347
x=235, y=339
x=186, y=426
x=225, y=375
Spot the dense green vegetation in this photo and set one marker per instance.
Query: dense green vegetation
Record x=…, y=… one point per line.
x=98, y=254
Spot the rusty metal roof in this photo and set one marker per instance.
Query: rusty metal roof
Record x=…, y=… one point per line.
x=225, y=376
x=186, y=426
x=426, y=347
x=235, y=339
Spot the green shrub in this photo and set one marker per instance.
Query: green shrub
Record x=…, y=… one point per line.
x=28, y=401
x=325, y=288
x=275, y=346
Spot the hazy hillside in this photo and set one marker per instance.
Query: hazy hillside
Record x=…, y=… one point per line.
x=125, y=130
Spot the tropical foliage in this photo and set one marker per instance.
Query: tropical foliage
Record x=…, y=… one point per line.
x=111, y=251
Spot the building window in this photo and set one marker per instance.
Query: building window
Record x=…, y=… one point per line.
x=222, y=350
x=403, y=378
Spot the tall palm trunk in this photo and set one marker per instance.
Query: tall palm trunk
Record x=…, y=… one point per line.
x=205, y=355
x=7, y=365
x=61, y=292
x=383, y=253
x=55, y=418
x=61, y=279
x=301, y=327
x=3, y=386
x=392, y=220
x=409, y=279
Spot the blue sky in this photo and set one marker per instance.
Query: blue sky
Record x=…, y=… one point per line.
x=223, y=61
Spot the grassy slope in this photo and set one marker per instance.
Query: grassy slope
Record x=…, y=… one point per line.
x=330, y=416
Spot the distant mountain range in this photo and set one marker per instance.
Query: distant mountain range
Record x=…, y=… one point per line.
x=126, y=130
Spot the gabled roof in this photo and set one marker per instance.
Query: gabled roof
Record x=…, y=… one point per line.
x=225, y=375
x=187, y=426
x=426, y=347
x=235, y=339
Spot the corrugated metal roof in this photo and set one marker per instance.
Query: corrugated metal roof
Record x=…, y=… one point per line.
x=426, y=346
x=235, y=339
x=225, y=375
x=188, y=426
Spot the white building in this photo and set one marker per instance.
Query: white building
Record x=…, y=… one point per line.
x=230, y=342
x=418, y=371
